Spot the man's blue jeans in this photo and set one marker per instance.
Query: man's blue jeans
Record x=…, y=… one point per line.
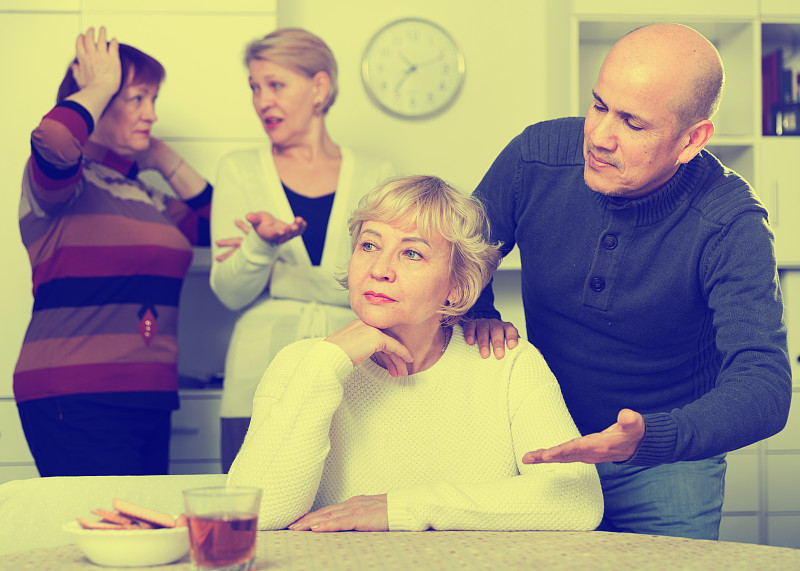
x=683, y=499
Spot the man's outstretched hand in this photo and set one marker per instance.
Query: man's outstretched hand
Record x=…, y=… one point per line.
x=616, y=443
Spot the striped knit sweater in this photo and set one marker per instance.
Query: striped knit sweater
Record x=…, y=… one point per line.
x=108, y=257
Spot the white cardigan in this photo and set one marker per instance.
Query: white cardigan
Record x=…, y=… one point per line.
x=445, y=444
x=282, y=297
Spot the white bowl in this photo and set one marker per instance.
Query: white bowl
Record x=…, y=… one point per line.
x=130, y=547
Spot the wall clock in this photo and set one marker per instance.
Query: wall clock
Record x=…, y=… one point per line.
x=412, y=68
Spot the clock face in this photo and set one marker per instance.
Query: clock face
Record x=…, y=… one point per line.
x=412, y=68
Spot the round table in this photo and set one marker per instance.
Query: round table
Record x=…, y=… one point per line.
x=568, y=550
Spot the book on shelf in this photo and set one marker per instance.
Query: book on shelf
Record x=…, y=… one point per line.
x=779, y=89
x=771, y=68
x=785, y=86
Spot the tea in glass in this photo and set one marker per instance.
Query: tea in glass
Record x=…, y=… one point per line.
x=223, y=522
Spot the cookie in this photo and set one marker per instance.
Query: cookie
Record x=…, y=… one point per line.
x=145, y=514
x=141, y=524
x=99, y=524
x=112, y=517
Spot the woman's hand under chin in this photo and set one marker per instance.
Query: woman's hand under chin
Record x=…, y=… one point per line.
x=360, y=341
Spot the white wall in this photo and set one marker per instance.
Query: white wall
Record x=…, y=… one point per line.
x=31, y=73
x=512, y=74
x=504, y=44
x=204, y=106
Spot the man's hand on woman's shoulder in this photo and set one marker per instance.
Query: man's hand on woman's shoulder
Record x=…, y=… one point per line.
x=493, y=336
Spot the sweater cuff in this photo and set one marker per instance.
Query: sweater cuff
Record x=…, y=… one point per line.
x=339, y=360
x=658, y=445
x=257, y=250
x=203, y=199
x=397, y=510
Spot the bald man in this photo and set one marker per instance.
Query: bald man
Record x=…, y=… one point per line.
x=649, y=283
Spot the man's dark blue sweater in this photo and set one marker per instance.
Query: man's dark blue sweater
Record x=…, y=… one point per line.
x=668, y=304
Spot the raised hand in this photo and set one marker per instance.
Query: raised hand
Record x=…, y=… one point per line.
x=616, y=443
x=97, y=72
x=184, y=180
x=158, y=156
x=360, y=341
x=98, y=62
x=359, y=513
x=273, y=230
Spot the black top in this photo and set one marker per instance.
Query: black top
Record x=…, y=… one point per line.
x=317, y=212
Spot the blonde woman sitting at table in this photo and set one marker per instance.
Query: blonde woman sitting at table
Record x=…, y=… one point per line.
x=393, y=422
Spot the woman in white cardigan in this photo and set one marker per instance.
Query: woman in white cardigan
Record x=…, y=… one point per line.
x=300, y=184
x=393, y=422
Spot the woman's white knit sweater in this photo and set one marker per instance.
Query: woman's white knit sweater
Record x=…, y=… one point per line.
x=445, y=444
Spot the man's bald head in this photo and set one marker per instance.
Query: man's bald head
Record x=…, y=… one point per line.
x=687, y=62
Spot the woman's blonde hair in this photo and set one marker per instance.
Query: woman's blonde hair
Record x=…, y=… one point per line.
x=434, y=206
x=300, y=51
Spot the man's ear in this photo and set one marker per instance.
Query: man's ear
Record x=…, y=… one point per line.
x=698, y=135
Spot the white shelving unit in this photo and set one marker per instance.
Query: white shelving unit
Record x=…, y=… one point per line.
x=736, y=123
x=762, y=503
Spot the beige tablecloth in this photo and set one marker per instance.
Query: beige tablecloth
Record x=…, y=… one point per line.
x=299, y=551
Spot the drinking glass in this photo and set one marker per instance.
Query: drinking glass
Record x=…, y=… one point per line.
x=222, y=527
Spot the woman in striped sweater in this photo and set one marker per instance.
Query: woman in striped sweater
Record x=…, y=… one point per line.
x=96, y=379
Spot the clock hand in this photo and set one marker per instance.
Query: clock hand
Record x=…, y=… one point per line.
x=406, y=74
x=432, y=60
x=405, y=59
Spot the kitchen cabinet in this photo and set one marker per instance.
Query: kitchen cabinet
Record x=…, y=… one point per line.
x=194, y=445
x=779, y=188
x=16, y=461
